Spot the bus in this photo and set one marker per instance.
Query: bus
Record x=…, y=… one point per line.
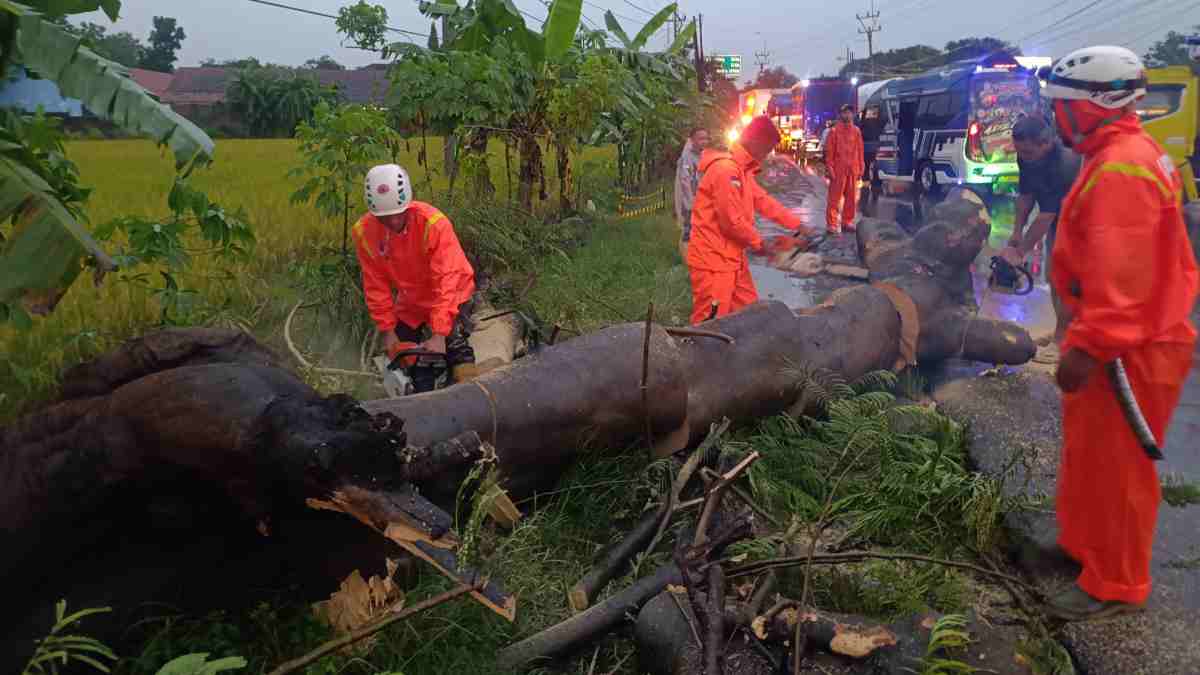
x=953, y=126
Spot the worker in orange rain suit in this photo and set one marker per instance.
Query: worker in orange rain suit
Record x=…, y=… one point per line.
x=723, y=222
x=415, y=275
x=844, y=162
x=1124, y=268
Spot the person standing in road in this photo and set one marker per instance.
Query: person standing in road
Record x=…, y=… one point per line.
x=687, y=179
x=415, y=275
x=844, y=162
x=723, y=222
x=1123, y=268
x=1047, y=171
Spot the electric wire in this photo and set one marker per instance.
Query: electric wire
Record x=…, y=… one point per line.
x=312, y=12
x=1162, y=26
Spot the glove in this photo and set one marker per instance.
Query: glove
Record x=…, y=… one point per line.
x=783, y=244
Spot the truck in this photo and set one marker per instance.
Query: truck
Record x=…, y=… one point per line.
x=781, y=105
x=1169, y=113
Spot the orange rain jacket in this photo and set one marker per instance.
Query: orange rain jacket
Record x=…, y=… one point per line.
x=1125, y=270
x=420, y=275
x=1125, y=246
x=723, y=213
x=844, y=150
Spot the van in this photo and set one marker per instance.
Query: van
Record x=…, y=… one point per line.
x=953, y=126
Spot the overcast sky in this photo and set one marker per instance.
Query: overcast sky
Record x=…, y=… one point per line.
x=807, y=37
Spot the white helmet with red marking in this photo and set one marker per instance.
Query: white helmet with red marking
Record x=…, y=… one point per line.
x=1110, y=77
x=388, y=190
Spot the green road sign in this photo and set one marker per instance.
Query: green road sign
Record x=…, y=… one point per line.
x=730, y=65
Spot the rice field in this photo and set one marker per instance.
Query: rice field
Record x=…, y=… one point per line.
x=133, y=177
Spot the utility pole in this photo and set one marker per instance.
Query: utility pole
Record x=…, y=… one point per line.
x=698, y=42
x=763, y=58
x=870, y=26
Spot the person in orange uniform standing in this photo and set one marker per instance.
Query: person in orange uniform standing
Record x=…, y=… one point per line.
x=415, y=275
x=1123, y=266
x=844, y=162
x=723, y=222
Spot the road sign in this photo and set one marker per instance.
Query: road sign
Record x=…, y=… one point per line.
x=730, y=65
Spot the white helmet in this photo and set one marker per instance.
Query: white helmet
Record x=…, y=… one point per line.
x=388, y=190
x=1110, y=77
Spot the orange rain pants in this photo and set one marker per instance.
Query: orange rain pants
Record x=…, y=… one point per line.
x=843, y=197
x=731, y=291
x=1108, y=489
x=844, y=160
x=1123, y=267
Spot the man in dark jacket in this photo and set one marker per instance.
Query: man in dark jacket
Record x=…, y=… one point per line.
x=1047, y=172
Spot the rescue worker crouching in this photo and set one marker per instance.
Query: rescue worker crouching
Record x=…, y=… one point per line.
x=416, y=278
x=1123, y=267
x=723, y=222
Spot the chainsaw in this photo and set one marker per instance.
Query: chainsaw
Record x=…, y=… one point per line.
x=1009, y=278
x=397, y=371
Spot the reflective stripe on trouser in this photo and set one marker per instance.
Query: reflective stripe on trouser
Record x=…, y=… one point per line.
x=731, y=291
x=843, y=197
x=1108, y=491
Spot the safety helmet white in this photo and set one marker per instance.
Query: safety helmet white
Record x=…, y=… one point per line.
x=1110, y=77
x=388, y=190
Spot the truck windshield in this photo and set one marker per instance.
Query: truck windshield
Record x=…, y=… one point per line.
x=1160, y=100
x=997, y=102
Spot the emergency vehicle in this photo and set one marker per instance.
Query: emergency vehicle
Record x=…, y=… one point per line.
x=953, y=126
x=779, y=104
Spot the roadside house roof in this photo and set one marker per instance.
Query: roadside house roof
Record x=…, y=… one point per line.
x=152, y=81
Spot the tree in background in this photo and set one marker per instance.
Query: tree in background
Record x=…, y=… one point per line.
x=235, y=64
x=1170, y=51
x=324, y=62
x=977, y=47
x=273, y=101
x=165, y=40
x=774, y=78
x=915, y=59
x=364, y=24
x=121, y=47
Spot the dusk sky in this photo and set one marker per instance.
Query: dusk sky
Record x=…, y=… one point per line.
x=806, y=37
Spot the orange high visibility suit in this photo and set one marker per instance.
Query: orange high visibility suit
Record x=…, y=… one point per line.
x=844, y=161
x=1124, y=268
x=723, y=228
x=424, y=267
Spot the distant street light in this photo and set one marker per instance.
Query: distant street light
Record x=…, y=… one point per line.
x=854, y=81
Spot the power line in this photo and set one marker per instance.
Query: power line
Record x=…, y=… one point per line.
x=1162, y=26
x=639, y=8
x=328, y=16
x=619, y=16
x=1121, y=12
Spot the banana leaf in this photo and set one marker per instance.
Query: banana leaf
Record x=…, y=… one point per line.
x=561, y=26
x=652, y=26
x=43, y=252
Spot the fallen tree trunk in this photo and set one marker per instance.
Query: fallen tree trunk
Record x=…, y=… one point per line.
x=218, y=407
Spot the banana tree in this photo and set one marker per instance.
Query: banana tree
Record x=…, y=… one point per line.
x=645, y=118
x=45, y=242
